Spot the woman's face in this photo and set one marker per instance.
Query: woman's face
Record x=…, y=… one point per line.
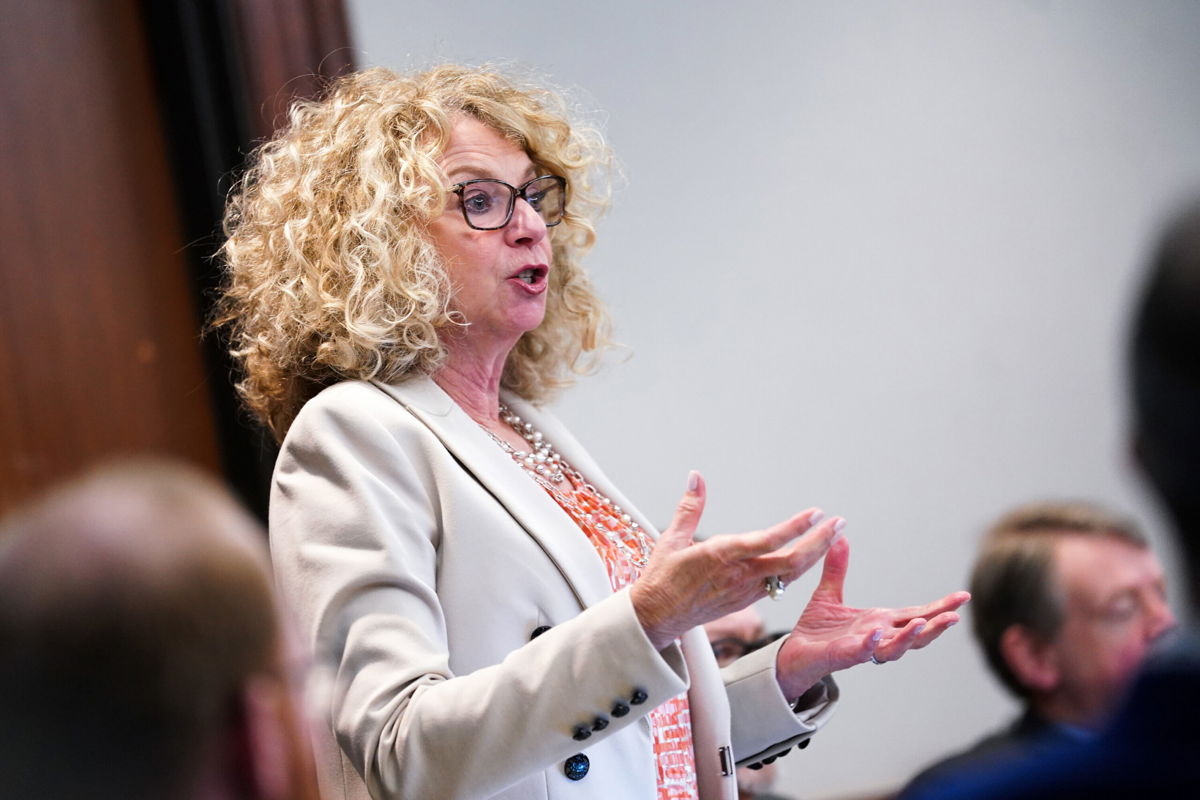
x=498, y=278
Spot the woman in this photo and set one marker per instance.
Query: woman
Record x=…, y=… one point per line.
x=404, y=286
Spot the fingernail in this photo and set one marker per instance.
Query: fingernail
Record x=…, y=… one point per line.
x=920, y=629
x=816, y=516
x=839, y=525
x=877, y=635
x=693, y=481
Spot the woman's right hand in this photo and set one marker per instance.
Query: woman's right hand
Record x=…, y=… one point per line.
x=688, y=583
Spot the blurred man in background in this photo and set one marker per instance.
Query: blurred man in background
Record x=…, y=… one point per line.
x=1151, y=746
x=1068, y=601
x=141, y=650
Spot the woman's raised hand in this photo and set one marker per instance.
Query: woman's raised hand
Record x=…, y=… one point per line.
x=830, y=636
x=688, y=583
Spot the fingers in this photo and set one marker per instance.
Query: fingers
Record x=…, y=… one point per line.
x=893, y=646
x=935, y=628
x=950, y=602
x=814, y=545
x=917, y=633
x=687, y=515
x=833, y=573
x=868, y=646
x=851, y=650
x=749, y=545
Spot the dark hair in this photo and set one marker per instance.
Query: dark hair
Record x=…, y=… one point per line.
x=1165, y=358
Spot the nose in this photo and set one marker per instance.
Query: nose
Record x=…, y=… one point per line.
x=1160, y=618
x=526, y=226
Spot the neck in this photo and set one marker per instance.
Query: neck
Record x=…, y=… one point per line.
x=472, y=376
x=1062, y=711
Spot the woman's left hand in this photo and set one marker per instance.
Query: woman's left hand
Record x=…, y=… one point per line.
x=831, y=636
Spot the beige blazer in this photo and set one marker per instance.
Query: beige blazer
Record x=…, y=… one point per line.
x=420, y=561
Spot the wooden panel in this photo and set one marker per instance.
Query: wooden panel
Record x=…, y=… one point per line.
x=288, y=48
x=99, y=330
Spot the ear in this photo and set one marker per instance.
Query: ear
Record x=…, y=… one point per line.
x=265, y=756
x=1032, y=660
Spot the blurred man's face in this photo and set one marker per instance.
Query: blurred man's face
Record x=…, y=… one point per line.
x=729, y=634
x=1115, y=608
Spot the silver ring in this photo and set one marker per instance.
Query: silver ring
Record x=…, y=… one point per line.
x=775, y=587
x=875, y=660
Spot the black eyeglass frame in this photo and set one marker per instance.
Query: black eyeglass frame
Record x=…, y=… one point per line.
x=513, y=193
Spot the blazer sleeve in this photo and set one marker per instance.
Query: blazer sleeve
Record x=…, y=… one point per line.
x=764, y=725
x=355, y=531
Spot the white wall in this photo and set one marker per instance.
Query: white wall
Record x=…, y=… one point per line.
x=871, y=256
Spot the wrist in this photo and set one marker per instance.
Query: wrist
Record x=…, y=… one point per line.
x=795, y=679
x=644, y=607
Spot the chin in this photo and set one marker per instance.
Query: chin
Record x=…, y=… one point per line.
x=529, y=321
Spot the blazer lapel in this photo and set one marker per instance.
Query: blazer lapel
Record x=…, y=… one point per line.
x=524, y=499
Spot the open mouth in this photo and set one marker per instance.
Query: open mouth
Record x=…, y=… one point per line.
x=531, y=275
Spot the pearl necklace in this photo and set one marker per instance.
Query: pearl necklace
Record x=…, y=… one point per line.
x=542, y=459
x=546, y=466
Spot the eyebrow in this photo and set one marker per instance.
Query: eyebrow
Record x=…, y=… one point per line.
x=475, y=171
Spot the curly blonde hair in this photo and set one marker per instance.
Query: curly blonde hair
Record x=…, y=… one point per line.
x=329, y=273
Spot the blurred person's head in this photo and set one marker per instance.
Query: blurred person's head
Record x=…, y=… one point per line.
x=734, y=635
x=141, y=649
x=1166, y=382
x=731, y=637
x=1067, y=599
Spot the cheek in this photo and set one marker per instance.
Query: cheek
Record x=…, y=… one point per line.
x=1132, y=656
x=460, y=247
x=466, y=266
x=1123, y=653
x=460, y=257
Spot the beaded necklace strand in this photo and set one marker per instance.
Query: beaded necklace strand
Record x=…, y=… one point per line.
x=547, y=466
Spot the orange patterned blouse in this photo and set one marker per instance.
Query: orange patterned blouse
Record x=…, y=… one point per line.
x=624, y=548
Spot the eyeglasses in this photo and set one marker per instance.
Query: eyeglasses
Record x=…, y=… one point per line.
x=731, y=648
x=487, y=204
